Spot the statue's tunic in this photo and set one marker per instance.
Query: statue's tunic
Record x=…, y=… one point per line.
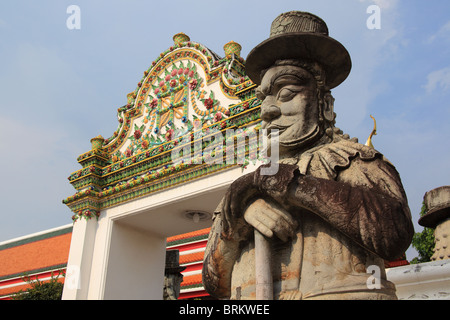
x=325, y=260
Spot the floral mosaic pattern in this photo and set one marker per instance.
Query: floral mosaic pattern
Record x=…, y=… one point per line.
x=178, y=95
x=166, y=111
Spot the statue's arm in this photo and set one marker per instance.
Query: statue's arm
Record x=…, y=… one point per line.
x=220, y=255
x=367, y=203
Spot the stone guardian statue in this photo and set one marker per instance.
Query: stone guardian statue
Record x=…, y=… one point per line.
x=334, y=210
x=172, y=275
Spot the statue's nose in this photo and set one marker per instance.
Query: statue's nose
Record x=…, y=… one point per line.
x=269, y=112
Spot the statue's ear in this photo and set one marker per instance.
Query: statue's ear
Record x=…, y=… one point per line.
x=328, y=106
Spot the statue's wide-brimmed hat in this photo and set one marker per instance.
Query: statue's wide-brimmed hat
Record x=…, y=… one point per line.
x=173, y=262
x=437, y=202
x=300, y=35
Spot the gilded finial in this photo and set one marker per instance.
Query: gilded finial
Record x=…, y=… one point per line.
x=97, y=142
x=232, y=47
x=180, y=38
x=374, y=132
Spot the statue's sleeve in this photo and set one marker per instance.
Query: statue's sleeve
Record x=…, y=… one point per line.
x=220, y=254
x=366, y=202
x=228, y=231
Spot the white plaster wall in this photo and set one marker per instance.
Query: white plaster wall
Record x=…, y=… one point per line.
x=135, y=265
x=423, y=281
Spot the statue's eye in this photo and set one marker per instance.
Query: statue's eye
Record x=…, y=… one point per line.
x=286, y=94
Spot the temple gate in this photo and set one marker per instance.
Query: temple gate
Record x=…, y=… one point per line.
x=162, y=172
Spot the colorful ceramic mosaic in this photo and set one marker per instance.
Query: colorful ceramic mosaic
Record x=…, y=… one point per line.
x=188, y=90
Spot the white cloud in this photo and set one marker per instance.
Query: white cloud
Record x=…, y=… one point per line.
x=442, y=33
x=438, y=79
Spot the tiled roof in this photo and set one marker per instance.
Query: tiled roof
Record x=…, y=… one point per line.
x=192, y=280
x=188, y=235
x=37, y=254
x=192, y=257
x=21, y=257
x=191, y=246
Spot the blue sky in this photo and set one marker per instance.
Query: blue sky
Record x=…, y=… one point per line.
x=61, y=87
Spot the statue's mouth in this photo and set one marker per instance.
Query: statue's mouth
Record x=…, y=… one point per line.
x=273, y=127
x=306, y=138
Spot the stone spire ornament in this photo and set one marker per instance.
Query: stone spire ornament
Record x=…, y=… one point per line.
x=437, y=216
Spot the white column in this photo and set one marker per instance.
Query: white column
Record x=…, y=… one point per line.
x=78, y=271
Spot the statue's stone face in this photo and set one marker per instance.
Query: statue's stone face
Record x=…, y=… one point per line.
x=290, y=104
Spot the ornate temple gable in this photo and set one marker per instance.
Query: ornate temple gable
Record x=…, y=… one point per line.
x=187, y=90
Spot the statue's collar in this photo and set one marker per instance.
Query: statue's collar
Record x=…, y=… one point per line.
x=332, y=156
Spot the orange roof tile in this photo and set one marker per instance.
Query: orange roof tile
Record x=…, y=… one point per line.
x=192, y=257
x=35, y=255
x=189, y=235
x=191, y=280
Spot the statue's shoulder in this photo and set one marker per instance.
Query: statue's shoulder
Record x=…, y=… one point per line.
x=335, y=156
x=355, y=149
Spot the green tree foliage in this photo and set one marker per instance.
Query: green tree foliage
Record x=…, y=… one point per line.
x=423, y=242
x=40, y=290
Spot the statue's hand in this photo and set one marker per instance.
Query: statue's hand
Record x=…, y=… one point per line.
x=238, y=196
x=270, y=219
x=244, y=190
